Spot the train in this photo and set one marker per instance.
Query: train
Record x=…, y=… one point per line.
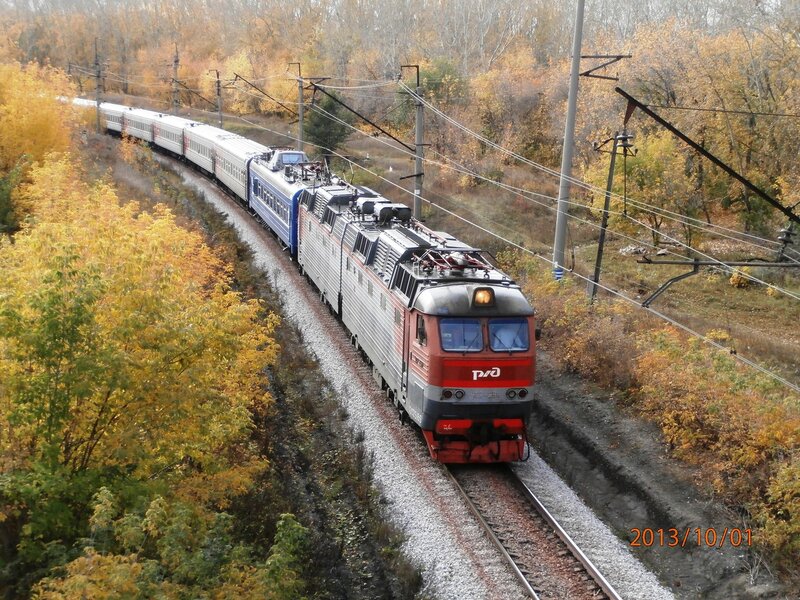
x=450, y=338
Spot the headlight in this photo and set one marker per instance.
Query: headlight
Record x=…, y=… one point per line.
x=483, y=297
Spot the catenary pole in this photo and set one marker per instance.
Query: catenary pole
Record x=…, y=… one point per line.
x=300, y=106
x=176, y=61
x=219, y=98
x=604, y=221
x=418, y=160
x=98, y=86
x=300, y=113
x=418, y=146
x=566, y=154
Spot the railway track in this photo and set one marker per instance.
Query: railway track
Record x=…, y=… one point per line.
x=545, y=560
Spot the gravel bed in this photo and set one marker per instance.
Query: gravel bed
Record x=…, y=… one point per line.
x=541, y=555
x=612, y=557
x=456, y=559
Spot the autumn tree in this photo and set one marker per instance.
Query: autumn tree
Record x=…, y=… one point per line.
x=32, y=120
x=328, y=125
x=174, y=550
x=33, y=123
x=659, y=183
x=126, y=358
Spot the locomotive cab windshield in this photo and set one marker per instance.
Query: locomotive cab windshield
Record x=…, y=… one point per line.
x=476, y=335
x=284, y=158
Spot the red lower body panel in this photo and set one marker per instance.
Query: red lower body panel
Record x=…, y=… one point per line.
x=466, y=441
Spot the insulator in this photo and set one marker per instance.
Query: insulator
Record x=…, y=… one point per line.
x=786, y=236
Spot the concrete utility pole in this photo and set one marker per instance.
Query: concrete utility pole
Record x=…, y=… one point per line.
x=300, y=106
x=569, y=143
x=419, y=146
x=418, y=160
x=98, y=94
x=176, y=61
x=219, y=99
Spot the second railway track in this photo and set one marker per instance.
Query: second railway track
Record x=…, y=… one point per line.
x=542, y=555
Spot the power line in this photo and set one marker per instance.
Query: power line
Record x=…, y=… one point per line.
x=553, y=172
x=359, y=87
x=725, y=111
x=741, y=273
x=539, y=166
x=633, y=102
x=526, y=193
x=611, y=291
x=263, y=93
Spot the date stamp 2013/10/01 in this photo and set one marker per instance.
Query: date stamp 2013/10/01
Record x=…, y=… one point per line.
x=691, y=536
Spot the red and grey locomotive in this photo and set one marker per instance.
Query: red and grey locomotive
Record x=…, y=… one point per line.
x=449, y=336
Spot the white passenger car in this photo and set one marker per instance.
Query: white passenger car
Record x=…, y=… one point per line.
x=113, y=115
x=168, y=133
x=199, y=144
x=138, y=123
x=233, y=156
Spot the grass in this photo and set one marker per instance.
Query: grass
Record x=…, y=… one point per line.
x=760, y=323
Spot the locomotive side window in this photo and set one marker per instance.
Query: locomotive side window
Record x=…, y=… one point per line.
x=508, y=335
x=461, y=335
x=422, y=336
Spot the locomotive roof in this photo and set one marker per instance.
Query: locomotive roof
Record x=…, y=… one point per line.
x=408, y=256
x=457, y=301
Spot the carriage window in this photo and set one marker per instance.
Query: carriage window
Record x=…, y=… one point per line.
x=508, y=335
x=461, y=335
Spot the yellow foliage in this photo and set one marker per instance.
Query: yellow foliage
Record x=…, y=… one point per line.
x=32, y=121
x=709, y=407
x=485, y=91
x=96, y=576
x=779, y=514
x=218, y=489
x=129, y=149
x=718, y=335
x=122, y=342
x=739, y=278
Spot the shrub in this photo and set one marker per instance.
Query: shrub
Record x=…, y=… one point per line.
x=739, y=278
x=779, y=513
